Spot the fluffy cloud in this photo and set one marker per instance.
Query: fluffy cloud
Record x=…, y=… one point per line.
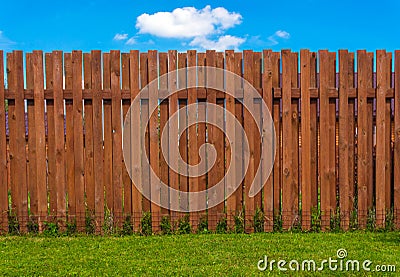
x=187, y=22
x=221, y=44
x=5, y=43
x=273, y=39
x=119, y=37
x=131, y=41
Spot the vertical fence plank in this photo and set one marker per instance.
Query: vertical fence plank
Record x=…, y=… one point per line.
x=97, y=140
x=267, y=139
x=79, y=166
x=88, y=136
x=126, y=180
x=59, y=136
x=193, y=157
x=370, y=142
x=201, y=127
x=38, y=90
x=327, y=137
x=173, y=131
x=164, y=156
x=397, y=140
x=230, y=145
x=332, y=134
x=344, y=182
x=306, y=168
x=238, y=70
x=249, y=131
x=51, y=159
x=19, y=156
x=31, y=142
x=154, y=142
x=351, y=135
x=108, y=144
x=287, y=184
x=144, y=121
x=363, y=67
x=116, y=135
x=135, y=140
x=382, y=160
x=3, y=154
x=69, y=155
x=314, y=133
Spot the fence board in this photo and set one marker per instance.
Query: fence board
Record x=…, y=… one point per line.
x=69, y=155
x=88, y=137
x=97, y=140
x=126, y=180
x=57, y=61
x=257, y=66
x=154, y=143
x=306, y=168
x=3, y=154
x=32, y=188
x=397, y=140
x=51, y=159
x=135, y=140
x=79, y=166
x=108, y=142
x=351, y=135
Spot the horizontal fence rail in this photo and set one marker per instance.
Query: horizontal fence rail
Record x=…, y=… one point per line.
x=337, y=138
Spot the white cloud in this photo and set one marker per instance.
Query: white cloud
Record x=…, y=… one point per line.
x=273, y=39
x=221, y=44
x=130, y=41
x=5, y=42
x=119, y=37
x=187, y=22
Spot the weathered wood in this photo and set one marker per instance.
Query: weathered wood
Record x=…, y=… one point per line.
x=397, y=140
x=3, y=154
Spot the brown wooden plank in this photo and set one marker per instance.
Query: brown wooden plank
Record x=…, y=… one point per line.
x=230, y=145
x=287, y=184
x=164, y=169
x=351, y=136
x=97, y=140
x=108, y=143
x=382, y=160
x=154, y=142
x=270, y=65
x=257, y=65
x=126, y=180
x=326, y=141
x=344, y=182
x=295, y=141
x=38, y=87
x=173, y=139
x=88, y=136
x=135, y=140
x=19, y=156
x=144, y=124
x=314, y=133
x=306, y=167
x=79, y=166
x=116, y=135
x=51, y=158
x=3, y=154
x=59, y=168
x=332, y=133
x=363, y=69
x=69, y=155
x=396, y=159
x=249, y=129
x=237, y=69
x=32, y=188
x=370, y=130
x=193, y=156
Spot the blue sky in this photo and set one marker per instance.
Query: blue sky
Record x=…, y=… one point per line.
x=184, y=24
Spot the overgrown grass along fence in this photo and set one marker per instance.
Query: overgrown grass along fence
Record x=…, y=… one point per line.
x=337, y=160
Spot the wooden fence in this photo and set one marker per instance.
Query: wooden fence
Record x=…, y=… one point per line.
x=336, y=116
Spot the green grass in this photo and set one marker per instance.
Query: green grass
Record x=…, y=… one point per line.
x=183, y=255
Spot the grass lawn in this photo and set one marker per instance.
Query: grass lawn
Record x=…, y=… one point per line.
x=199, y=255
